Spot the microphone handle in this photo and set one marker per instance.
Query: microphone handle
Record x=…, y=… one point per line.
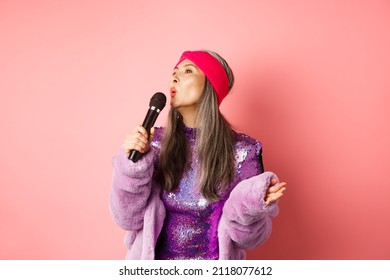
x=149, y=121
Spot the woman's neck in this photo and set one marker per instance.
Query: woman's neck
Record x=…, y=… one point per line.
x=189, y=118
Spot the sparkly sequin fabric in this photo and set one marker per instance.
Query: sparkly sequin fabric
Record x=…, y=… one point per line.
x=191, y=223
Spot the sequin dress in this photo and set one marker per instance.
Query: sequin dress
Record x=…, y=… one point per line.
x=190, y=226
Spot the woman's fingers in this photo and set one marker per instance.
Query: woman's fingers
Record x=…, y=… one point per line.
x=152, y=133
x=274, y=193
x=138, y=140
x=136, y=143
x=277, y=187
x=274, y=181
x=140, y=129
x=273, y=198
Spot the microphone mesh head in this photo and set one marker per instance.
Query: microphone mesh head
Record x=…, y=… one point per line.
x=158, y=100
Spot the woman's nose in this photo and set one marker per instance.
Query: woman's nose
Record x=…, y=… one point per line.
x=175, y=78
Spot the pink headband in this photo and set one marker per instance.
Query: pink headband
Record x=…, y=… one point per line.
x=212, y=69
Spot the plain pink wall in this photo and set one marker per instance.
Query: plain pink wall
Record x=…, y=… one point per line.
x=312, y=83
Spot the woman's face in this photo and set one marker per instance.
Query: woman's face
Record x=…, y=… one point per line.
x=186, y=85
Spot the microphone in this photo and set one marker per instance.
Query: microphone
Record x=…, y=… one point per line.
x=156, y=104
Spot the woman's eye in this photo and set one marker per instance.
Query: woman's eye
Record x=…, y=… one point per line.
x=188, y=71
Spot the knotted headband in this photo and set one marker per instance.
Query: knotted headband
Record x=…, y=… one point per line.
x=212, y=69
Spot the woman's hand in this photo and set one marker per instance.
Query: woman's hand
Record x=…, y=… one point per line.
x=138, y=140
x=274, y=192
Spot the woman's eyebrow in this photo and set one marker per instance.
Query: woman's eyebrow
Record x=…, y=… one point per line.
x=190, y=64
x=185, y=65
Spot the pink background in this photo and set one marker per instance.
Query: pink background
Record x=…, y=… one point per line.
x=312, y=83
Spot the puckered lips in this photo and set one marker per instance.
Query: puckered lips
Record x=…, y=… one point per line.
x=172, y=91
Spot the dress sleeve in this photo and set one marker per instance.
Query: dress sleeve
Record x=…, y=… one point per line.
x=249, y=161
x=260, y=159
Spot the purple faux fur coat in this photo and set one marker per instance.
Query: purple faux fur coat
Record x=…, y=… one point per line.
x=135, y=205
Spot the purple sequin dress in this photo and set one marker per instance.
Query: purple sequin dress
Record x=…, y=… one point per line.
x=190, y=226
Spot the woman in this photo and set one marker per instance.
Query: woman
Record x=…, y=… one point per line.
x=199, y=191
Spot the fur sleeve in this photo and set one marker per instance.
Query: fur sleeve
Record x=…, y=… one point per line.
x=248, y=219
x=131, y=188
